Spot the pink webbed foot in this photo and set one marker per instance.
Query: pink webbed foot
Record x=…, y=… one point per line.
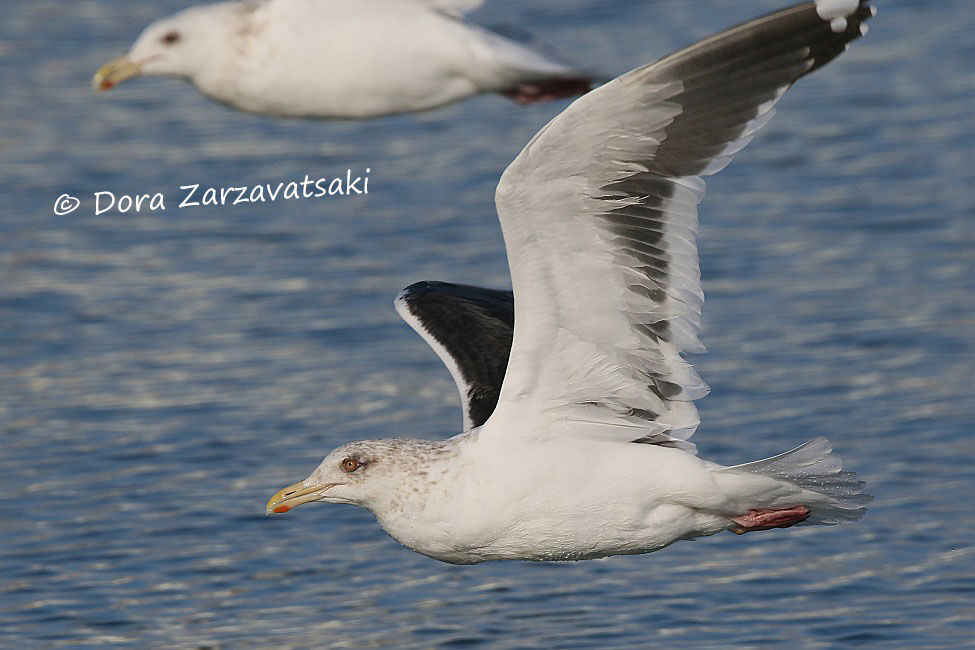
x=766, y=518
x=543, y=90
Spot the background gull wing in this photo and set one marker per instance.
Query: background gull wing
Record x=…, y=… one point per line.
x=456, y=8
x=470, y=330
x=599, y=215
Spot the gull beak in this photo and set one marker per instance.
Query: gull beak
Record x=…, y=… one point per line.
x=294, y=495
x=115, y=72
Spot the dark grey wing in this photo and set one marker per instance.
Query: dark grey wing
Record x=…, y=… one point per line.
x=599, y=216
x=470, y=330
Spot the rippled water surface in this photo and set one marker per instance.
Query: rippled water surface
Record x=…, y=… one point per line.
x=162, y=373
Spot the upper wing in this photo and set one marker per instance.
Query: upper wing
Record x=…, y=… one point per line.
x=599, y=215
x=470, y=330
x=456, y=8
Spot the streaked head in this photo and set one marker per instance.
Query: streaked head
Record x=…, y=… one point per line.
x=368, y=473
x=340, y=478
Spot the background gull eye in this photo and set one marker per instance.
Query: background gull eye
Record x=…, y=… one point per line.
x=350, y=465
x=170, y=37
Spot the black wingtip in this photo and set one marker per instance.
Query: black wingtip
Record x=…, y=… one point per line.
x=846, y=23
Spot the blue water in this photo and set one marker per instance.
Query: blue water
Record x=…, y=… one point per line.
x=163, y=372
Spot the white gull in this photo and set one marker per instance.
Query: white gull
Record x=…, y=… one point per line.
x=341, y=58
x=582, y=450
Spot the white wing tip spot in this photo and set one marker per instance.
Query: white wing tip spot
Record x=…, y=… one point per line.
x=830, y=9
x=838, y=25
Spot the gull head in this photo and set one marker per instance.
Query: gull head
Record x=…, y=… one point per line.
x=367, y=473
x=179, y=46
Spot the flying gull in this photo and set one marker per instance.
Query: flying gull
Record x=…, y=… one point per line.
x=341, y=58
x=581, y=450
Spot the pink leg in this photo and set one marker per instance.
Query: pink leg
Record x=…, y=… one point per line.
x=766, y=518
x=543, y=90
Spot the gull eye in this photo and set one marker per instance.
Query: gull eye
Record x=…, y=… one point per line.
x=350, y=465
x=170, y=37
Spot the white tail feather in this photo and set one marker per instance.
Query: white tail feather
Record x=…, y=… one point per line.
x=833, y=494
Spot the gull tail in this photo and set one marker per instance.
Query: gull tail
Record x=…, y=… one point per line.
x=810, y=475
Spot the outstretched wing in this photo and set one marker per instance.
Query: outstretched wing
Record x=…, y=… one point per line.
x=470, y=330
x=599, y=215
x=456, y=8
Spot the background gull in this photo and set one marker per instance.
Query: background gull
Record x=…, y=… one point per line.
x=341, y=58
x=587, y=452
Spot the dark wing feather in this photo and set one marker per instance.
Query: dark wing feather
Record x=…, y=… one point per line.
x=470, y=330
